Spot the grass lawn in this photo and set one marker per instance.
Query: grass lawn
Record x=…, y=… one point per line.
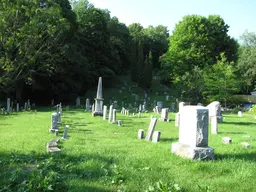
x=99, y=156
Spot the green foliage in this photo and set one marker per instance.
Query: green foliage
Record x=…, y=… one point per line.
x=220, y=81
x=246, y=66
x=147, y=72
x=164, y=187
x=196, y=41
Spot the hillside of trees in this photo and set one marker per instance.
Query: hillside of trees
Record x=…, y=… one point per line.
x=50, y=50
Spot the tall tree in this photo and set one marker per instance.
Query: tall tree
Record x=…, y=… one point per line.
x=246, y=66
x=196, y=41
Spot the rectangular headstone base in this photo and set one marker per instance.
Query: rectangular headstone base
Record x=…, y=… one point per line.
x=52, y=130
x=195, y=153
x=97, y=113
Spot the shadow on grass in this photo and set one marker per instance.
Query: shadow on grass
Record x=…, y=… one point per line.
x=243, y=156
x=86, y=167
x=240, y=123
x=235, y=133
x=169, y=139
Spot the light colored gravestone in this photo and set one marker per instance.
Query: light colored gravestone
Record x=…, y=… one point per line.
x=245, y=144
x=164, y=114
x=105, y=108
x=193, y=134
x=114, y=116
x=214, y=125
x=215, y=110
x=59, y=117
x=119, y=123
x=56, y=132
x=78, y=102
x=167, y=97
x=110, y=115
x=199, y=104
x=54, y=123
x=240, y=114
x=65, y=135
x=226, y=140
x=29, y=105
x=99, y=100
x=25, y=106
x=17, y=107
x=181, y=105
x=140, y=134
x=156, y=136
x=139, y=114
x=177, y=119
x=8, y=106
x=87, y=105
x=160, y=106
x=93, y=108
x=151, y=129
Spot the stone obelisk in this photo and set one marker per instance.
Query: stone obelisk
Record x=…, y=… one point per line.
x=98, y=111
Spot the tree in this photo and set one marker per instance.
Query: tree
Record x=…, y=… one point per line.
x=147, y=72
x=196, y=41
x=220, y=80
x=246, y=65
x=32, y=36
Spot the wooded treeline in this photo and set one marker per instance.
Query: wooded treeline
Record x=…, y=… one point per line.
x=50, y=50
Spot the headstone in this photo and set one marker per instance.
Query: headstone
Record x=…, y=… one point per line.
x=245, y=144
x=167, y=97
x=160, y=106
x=87, y=105
x=177, y=119
x=105, y=112
x=140, y=134
x=93, y=108
x=59, y=117
x=240, y=114
x=172, y=107
x=119, y=123
x=151, y=129
x=110, y=115
x=139, y=114
x=29, y=106
x=99, y=100
x=199, y=104
x=164, y=114
x=65, y=135
x=215, y=110
x=214, y=125
x=114, y=116
x=78, y=103
x=226, y=140
x=25, y=106
x=8, y=105
x=181, y=105
x=193, y=134
x=54, y=122
x=17, y=107
x=56, y=132
x=115, y=105
x=156, y=136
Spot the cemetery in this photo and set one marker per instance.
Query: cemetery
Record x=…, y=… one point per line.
x=93, y=98
x=115, y=150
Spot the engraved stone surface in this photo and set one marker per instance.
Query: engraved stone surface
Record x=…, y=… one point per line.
x=193, y=134
x=151, y=128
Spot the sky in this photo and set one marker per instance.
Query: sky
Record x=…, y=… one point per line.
x=240, y=15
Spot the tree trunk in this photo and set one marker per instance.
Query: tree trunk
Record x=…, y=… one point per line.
x=19, y=89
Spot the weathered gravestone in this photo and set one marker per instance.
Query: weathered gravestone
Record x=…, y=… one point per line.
x=8, y=106
x=114, y=116
x=177, y=115
x=105, y=108
x=164, y=114
x=151, y=129
x=226, y=140
x=78, y=103
x=17, y=107
x=160, y=106
x=110, y=115
x=54, y=122
x=193, y=134
x=87, y=105
x=240, y=114
x=98, y=111
x=156, y=136
x=214, y=125
x=215, y=111
x=119, y=123
x=65, y=135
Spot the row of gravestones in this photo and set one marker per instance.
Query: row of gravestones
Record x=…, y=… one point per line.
x=10, y=106
x=52, y=146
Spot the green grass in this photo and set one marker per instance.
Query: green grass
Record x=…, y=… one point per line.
x=99, y=156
